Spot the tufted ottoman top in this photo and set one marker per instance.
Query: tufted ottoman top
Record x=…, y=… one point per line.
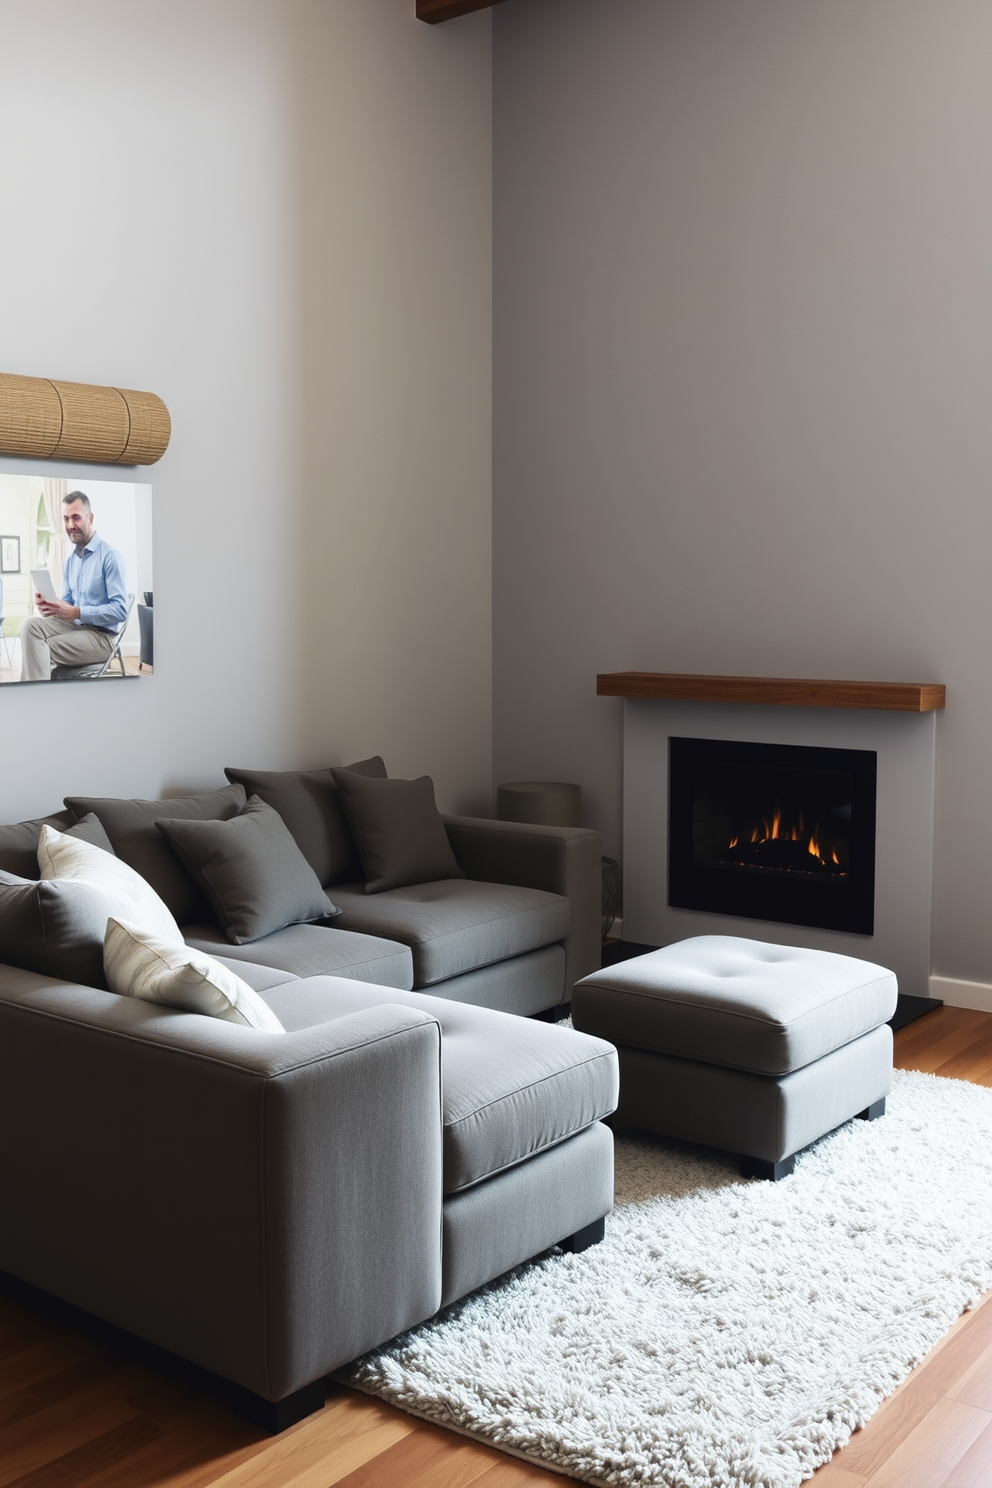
x=742, y=1003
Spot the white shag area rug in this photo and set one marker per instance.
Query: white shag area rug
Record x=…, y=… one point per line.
x=725, y=1334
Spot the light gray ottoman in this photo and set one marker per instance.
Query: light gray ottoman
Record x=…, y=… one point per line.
x=759, y=1049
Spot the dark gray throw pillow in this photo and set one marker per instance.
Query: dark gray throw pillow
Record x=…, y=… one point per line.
x=251, y=870
x=19, y=842
x=309, y=803
x=398, y=830
x=130, y=825
x=55, y=927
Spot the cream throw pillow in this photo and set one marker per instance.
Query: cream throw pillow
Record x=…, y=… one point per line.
x=136, y=901
x=137, y=964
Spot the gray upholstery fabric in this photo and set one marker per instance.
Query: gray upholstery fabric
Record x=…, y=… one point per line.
x=742, y=1003
x=19, y=842
x=398, y=831
x=289, y=1214
x=88, y=829
x=251, y=870
x=309, y=804
x=54, y=927
x=456, y=924
x=259, y=978
x=313, y=950
x=524, y=985
x=754, y=1114
x=559, y=860
x=130, y=825
x=511, y=1087
x=508, y=1219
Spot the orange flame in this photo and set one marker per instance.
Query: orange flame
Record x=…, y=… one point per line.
x=774, y=832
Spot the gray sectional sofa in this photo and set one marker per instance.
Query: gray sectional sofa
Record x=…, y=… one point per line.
x=271, y=1206
x=516, y=933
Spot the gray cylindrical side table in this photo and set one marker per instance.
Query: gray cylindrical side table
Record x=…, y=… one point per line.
x=545, y=803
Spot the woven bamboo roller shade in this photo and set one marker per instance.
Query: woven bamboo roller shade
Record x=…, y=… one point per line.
x=78, y=421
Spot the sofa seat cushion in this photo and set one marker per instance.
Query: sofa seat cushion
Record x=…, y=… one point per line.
x=456, y=924
x=510, y=1087
x=259, y=978
x=312, y=950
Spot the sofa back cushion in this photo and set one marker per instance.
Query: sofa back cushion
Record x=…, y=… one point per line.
x=251, y=870
x=55, y=927
x=398, y=830
x=310, y=804
x=19, y=841
x=130, y=826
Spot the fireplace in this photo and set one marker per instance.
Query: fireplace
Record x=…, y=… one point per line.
x=895, y=723
x=777, y=832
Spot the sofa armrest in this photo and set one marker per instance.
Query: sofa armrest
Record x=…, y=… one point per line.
x=267, y=1206
x=560, y=860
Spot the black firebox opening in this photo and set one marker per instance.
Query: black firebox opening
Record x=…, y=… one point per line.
x=776, y=832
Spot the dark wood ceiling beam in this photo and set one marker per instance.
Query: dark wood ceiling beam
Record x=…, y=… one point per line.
x=433, y=11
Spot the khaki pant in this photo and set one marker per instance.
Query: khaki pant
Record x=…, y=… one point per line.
x=46, y=643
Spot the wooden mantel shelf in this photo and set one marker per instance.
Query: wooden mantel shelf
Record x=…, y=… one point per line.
x=786, y=692
x=434, y=11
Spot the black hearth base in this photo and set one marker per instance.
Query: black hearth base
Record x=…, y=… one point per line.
x=908, y=1009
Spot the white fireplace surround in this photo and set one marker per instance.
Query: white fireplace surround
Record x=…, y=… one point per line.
x=905, y=745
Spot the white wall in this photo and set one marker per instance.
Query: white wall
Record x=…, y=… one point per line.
x=743, y=363
x=247, y=206
x=396, y=305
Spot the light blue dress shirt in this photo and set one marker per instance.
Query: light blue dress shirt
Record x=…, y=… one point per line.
x=95, y=581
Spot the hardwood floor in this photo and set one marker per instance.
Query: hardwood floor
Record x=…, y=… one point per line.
x=78, y=1409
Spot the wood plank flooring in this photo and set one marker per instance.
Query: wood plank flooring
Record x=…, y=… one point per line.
x=80, y=1409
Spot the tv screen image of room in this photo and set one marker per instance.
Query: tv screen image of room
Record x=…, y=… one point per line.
x=76, y=590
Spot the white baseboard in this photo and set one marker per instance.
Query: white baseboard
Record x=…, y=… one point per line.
x=976, y=995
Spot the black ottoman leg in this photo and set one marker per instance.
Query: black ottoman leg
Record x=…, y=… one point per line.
x=759, y=1167
x=582, y=1239
x=872, y=1112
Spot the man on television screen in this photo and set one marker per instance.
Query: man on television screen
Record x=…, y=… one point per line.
x=81, y=628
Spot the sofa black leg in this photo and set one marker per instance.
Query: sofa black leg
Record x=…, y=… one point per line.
x=582, y=1239
x=274, y=1416
x=872, y=1112
x=759, y=1167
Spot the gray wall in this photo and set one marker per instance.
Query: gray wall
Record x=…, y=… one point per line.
x=276, y=214
x=743, y=366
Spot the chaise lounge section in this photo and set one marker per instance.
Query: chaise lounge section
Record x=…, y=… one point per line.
x=271, y=1206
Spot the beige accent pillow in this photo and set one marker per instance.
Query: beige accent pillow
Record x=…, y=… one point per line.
x=140, y=965
x=60, y=856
